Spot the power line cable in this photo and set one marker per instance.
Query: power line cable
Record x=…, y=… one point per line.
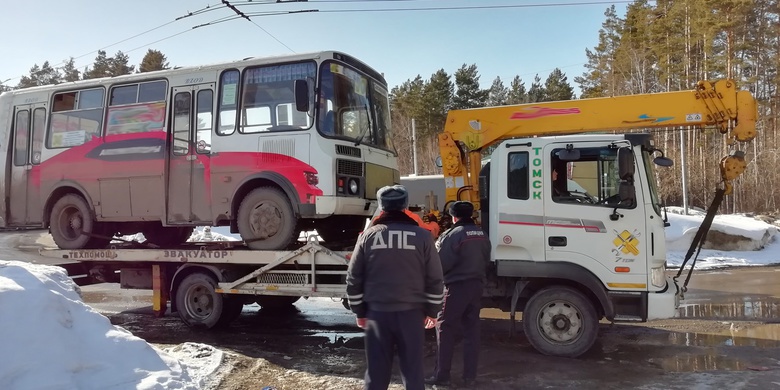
x=243, y=15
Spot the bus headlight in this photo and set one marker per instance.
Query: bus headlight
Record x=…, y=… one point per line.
x=353, y=187
x=311, y=178
x=658, y=277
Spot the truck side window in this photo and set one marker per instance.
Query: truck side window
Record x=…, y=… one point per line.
x=517, y=177
x=592, y=180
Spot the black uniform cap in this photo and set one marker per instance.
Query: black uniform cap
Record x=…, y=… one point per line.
x=462, y=209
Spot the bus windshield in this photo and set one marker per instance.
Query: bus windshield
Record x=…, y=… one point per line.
x=352, y=106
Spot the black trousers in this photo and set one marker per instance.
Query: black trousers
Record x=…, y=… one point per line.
x=459, y=316
x=386, y=331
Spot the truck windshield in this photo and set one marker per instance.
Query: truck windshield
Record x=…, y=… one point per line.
x=647, y=159
x=352, y=106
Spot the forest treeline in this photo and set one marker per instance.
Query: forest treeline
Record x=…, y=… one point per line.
x=659, y=46
x=656, y=46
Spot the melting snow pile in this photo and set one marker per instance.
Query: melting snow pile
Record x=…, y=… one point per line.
x=52, y=340
x=733, y=240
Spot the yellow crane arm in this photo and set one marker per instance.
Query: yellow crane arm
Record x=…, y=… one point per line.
x=718, y=104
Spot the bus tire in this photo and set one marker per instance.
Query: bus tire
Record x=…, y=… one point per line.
x=266, y=220
x=276, y=301
x=72, y=223
x=199, y=305
x=560, y=321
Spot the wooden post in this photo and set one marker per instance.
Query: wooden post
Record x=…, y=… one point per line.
x=159, y=291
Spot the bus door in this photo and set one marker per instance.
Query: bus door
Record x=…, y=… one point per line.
x=188, y=183
x=25, y=198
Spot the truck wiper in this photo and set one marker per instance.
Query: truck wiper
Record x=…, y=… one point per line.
x=368, y=127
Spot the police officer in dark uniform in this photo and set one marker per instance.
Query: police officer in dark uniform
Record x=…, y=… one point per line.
x=394, y=286
x=465, y=253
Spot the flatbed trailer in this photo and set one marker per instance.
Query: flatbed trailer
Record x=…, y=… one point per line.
x=209, y=283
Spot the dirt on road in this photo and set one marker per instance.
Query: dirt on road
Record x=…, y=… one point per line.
x=720, y=344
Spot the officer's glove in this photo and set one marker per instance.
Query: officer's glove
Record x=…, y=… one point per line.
x=430, y=322
x=362, y=323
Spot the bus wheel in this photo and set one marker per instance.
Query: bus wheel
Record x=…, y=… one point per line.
x=266, y=220
x=72, y=222
x=275, y=301
x=200, y=306
x=560, y=321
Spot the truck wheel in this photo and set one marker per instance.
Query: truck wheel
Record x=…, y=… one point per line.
x=560, y=321
x=71, y=223
x=266, y=220
x=167, y=236
x=276, y=301
x=199, y=306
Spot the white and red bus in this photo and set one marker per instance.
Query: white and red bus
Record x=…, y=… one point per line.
x=268, y=146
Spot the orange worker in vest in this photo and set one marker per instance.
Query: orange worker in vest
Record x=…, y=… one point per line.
x=432, y=224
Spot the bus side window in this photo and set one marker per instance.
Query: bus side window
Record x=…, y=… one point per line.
x=228, y=99
x=38, y=128
x=77, y=117
x=137, y=108
x=205, y=120
x=181, y=123
x=21, y=137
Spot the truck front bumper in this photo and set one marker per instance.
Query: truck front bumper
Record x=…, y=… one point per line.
x=664, y=304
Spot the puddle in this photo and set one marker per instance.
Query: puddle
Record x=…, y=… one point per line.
x=694, y=363
x=338, y=337
x=745, y=309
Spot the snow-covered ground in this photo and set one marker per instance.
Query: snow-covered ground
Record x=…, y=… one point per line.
x=758, y=243
x=50, y=339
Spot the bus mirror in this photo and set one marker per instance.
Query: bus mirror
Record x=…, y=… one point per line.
x=625, y=163
x=302, y=95
x=438, y=162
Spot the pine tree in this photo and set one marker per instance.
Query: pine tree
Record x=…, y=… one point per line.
x=119, y=65
x=69, y=71
x=100, y=68
x=153, y=60
x=517, y=93
x=557, y=87
x=436, y=100
x=498, y=95
x=536, y=92
x=468, y=94
x=43, y=75
x=600, y=79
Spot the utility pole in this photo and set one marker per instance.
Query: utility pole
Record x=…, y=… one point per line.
x=682, y=169
x=414, y=147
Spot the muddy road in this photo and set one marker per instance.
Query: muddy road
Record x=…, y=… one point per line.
x=727, y=337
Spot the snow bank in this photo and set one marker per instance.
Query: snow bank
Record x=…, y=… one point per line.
x=52, y=340
x=733, y=240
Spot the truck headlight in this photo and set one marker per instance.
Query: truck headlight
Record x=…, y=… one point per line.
x=658, y=277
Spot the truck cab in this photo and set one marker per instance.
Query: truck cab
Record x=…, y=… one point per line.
x=600, y=219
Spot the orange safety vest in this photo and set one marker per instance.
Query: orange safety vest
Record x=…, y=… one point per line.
x=416, y=218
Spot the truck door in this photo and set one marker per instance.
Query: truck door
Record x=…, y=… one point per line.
x=25, y=199
x=586, y=222
x=517, y=202
x=189, y=173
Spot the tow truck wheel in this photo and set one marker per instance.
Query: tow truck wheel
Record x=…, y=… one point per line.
x=199, y=306
x=72, y=222
x=266, y=220
x=275, y=301
x=560, y=321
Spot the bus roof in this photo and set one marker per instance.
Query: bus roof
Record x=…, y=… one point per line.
x=249, y=61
